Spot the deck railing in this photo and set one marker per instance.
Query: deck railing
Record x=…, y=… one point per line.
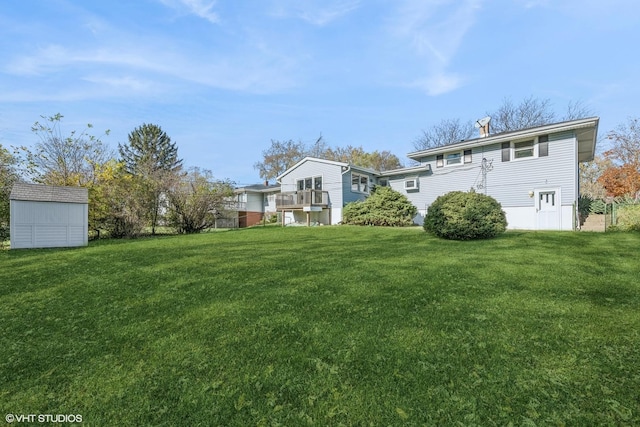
x=301, y=199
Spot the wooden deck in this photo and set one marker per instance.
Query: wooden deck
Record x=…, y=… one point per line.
x=302, y=199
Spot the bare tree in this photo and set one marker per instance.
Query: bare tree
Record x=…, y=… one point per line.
x=64, y=160
x=530, y=112
x=577, y=110
x=445, y=132
x=196, y=201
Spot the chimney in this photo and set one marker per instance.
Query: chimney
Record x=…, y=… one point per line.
x=266, y=182
x=483, y=126
x=484, y=130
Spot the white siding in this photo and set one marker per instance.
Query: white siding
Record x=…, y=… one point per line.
x=331, y=182
x=508, y=182
x=254, y=202
x=48, y=224
x=270, y=202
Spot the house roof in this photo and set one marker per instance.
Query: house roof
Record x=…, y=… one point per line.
x=345, y=166
x=407, y=170
x=49, y=193
x=258, y=188
x=586, y=132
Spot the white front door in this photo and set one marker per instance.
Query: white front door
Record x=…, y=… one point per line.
x=548, y=209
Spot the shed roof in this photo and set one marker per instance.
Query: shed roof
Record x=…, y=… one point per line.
x=49, y=193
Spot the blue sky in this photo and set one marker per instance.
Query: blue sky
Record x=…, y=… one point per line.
x=224, y=77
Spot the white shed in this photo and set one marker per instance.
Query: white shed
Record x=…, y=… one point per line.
x=45, y=216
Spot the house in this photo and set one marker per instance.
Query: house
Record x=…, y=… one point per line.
x=314, y=191
x=532, y=172
x=253, y=202
x=45, y=216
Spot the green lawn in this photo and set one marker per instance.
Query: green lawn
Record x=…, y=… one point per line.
x=325, y=326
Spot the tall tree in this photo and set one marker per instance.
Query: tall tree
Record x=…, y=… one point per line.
x=624, y=177
x=590, y=173
x=59, y=159
x=149, y=147
x=152, y=159
x=445, y=132
x=530, y=112
x=376, y=160
x=8, y=176
x=279, y=157
x=509, y=116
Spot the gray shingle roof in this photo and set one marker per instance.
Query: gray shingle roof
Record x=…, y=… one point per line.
x=49, y=193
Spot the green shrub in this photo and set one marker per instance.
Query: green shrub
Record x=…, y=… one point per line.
x=628, y=218
x=384, y=207
x=465, y=216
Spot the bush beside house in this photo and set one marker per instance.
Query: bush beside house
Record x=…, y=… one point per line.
x=465, y=216
x=384, y=207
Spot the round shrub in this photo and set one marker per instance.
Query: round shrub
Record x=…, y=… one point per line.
x=384, y=207
x=465, y=216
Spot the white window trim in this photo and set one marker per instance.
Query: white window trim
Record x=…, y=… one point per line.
x=513, y=150
x=415, y=181
x=313, y=182
x=360, y=176
x=460, y=163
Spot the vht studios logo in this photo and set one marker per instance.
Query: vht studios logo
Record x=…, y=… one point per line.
x=43, y=418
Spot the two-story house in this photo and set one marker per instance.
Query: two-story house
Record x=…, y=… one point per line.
x=532, y=172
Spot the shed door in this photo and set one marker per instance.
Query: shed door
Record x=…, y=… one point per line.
x=548, y=209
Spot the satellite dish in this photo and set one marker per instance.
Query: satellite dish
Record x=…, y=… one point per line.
x=483, y=122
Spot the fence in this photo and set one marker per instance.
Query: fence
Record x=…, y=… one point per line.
x=617, y=212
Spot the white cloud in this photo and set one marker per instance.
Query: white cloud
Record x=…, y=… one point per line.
x=438, y=84
x=201, y=8
x=315, y=12
x=433, y=32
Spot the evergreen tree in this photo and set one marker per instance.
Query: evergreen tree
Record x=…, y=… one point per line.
x=152, y=159
x=150, y=148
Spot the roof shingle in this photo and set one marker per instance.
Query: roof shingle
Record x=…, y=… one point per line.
x=49, y=193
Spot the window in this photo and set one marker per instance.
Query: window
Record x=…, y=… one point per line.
x=310, y=183
x=525, y=149
x=543, y=145
x=440, y=160
x=522, y=149
x=506, y=151
x=383, y=182
x=454, y=159
x=359, y=183
x=411, y=183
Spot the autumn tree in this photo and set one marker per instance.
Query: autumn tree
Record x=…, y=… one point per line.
x=623, y=178
x=196, y=201
x=152, y=158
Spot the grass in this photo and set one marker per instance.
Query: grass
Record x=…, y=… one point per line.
x=325, y=326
